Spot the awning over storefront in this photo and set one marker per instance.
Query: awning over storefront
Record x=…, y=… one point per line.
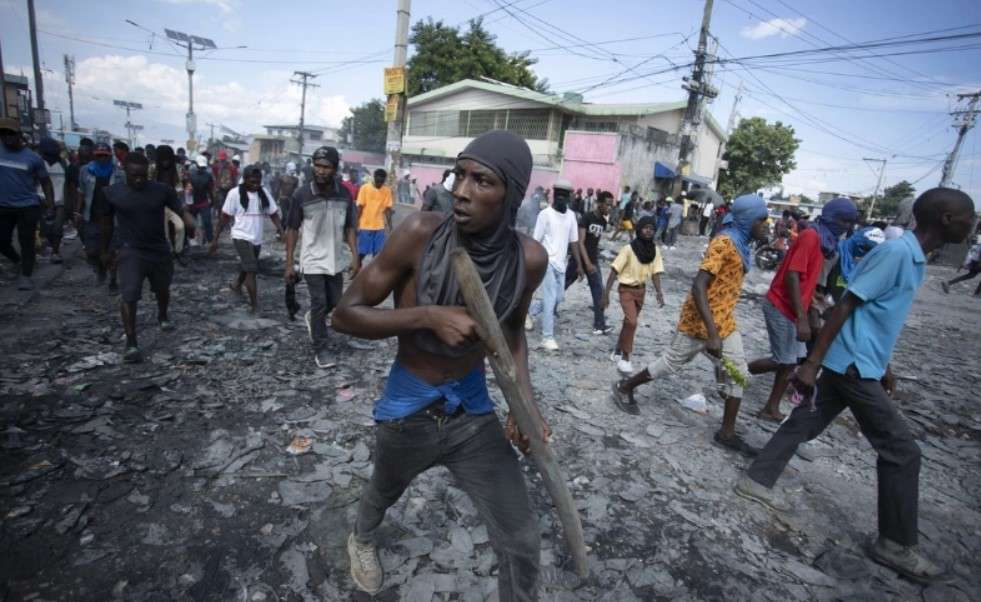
x=697, y=179
x=664, y=171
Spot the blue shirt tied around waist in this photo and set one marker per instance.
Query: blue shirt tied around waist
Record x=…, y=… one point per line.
x=405, y=394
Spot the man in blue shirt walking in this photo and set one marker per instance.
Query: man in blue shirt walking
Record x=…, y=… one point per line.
x=852, y=351
x=21, y=170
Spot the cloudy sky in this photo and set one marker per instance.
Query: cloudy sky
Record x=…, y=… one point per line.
x=844, y=108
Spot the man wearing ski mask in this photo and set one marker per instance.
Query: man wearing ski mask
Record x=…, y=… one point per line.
x=558, y=231
x=436, y=409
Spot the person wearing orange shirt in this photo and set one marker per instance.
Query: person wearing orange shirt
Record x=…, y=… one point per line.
x=708, y=319
x=374, y=215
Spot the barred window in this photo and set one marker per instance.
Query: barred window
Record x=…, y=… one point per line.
x=434, y=123
x=527, y=123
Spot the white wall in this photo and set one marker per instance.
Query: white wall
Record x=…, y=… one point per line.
x=670, y=121
x=704, y=159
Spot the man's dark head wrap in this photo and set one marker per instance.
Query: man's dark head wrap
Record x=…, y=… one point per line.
x=243, y=193
x=644, y=248
x=496, y=253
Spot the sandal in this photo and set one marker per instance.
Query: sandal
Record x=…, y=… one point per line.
x=736, y=444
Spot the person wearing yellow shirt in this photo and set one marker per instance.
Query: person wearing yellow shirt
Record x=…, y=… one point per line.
x=635, y=263
x=374, y=215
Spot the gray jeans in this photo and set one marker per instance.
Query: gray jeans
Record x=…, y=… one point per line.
x=898, y=465
x=483, y=465
x=325, y=292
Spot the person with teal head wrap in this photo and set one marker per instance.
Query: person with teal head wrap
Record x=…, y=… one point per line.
x=707, y=324
x=738, y=224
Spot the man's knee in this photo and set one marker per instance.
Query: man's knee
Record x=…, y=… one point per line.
x=521, y=538
x=902, y=452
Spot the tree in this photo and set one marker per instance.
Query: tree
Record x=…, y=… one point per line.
x=888, y=204
x=367, y=124
x=444, y=55
x=759, y=154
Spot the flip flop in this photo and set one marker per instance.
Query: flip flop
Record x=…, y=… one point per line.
x=736, y=444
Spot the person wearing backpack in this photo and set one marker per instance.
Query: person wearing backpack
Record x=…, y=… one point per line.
x=202, y=196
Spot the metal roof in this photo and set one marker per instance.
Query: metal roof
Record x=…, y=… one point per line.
x=558, y=101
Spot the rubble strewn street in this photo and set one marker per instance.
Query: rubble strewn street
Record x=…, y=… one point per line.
x=228, y=467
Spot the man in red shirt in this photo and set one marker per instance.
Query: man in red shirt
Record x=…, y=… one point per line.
x=789, y=298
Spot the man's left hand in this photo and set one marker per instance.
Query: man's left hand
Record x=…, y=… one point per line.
x=520, y=441
x=660, y=299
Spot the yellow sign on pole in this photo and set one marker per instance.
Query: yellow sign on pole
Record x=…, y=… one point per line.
x=394, y=80
x=392, y=108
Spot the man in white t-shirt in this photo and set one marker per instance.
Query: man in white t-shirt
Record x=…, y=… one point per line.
x=53, y=222
x=556, y=229
x=249, y=216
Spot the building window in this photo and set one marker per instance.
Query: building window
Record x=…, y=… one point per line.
x=434, y=123
x=527, y=123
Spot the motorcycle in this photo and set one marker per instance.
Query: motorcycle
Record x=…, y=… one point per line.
x=769, y=255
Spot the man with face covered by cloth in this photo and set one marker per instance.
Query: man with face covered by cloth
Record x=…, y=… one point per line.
x=436, y=409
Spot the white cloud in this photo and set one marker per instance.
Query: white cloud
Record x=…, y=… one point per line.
x=265, y=98
x=782, y=27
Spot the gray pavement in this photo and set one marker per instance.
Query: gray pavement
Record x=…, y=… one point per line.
x=171, y=480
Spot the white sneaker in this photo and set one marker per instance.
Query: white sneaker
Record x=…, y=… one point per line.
x=529, y=323
x=625, y=367
x=366, y=569
x=616, y=357
x=550, y=344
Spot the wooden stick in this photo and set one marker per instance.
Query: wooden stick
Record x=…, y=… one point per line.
x=529, y=423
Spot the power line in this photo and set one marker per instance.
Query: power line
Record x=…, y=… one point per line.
x=841, y=37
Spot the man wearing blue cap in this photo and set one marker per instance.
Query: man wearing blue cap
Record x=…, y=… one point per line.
x=708, y=320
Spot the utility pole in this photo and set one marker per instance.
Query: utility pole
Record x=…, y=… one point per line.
x=38, y=83
x=878, y=184
x=396, y=100
x=211, y=139
x=188, y=41
x=70, y=80
x=698, y=88
x=964, y=121
x=304, y=83
x=130, y=127
x=731, y=125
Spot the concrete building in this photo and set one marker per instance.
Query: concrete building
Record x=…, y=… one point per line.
x=824, y=197
x=279, y=143
x=17, y=99
x=594, y=145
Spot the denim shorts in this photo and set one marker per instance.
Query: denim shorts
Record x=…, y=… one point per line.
x=784, y=347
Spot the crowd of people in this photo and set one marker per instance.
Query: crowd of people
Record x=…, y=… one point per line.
x=833, y=312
